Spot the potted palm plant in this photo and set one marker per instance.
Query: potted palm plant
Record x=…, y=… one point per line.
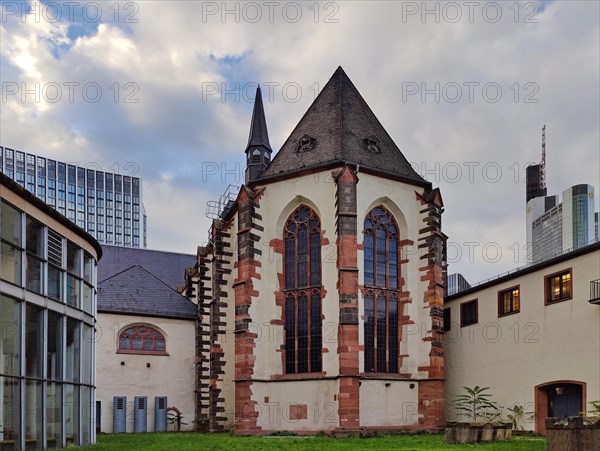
x=476, y=405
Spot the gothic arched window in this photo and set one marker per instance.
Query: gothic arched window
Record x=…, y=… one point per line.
x=302, y=275
x=142, y=339
x=381, y=292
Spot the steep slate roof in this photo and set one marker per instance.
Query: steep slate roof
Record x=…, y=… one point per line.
x=166, y=266
x=339, y=120
x=259, y=136
x=136, y=291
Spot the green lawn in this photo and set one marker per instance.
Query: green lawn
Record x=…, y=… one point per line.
x=196, y=441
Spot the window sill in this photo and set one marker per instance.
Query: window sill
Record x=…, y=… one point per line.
x=502, y=315
x=558, y=301
x=141, y=352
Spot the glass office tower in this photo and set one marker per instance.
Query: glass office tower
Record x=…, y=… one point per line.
x=107, y=205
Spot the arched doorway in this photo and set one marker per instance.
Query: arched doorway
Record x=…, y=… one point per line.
x=558, y=399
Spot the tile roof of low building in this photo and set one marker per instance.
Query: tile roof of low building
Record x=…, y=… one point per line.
x=137, y=291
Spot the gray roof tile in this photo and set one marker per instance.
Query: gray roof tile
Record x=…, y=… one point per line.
x=136, y=291
x=166, y=266
x=339, y=121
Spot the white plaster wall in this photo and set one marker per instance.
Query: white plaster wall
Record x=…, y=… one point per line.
x=539, y=344
x=322, y=409
x=388, y=403
x=171, y=376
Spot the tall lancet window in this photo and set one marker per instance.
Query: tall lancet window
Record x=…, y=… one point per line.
x=381, y=292
x=302, y=275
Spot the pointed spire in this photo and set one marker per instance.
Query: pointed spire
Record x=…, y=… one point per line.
x=258, y=150
x=259, y=136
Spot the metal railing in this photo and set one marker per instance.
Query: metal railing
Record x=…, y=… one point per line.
x=529, y=265
x=595, y=290
x=215, y=208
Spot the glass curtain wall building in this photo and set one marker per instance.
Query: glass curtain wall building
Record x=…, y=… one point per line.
x=107, y=205
x=47, y=316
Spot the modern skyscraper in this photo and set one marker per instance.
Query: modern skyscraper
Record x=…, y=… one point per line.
x=552, y=226
x=107, y=205
x=456, y=283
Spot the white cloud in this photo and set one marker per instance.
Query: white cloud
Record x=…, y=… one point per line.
x=172, y=55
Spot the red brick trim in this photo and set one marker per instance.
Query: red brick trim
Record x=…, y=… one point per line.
x=246, y=414
x=433, y=244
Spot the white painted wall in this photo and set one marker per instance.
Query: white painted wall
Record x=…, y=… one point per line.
x=540, y=344
x=171, y=376
x=388, y=403
x=322, y=409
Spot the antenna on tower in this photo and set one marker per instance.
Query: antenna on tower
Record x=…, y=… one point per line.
x=543, y=162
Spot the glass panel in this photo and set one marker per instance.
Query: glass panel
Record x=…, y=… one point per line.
x=369, y=261
x=315, y=333
x=71, y=413
x=381, y=334
x=393, y=334
x=290, y=260
x=290, y=335
x=34, y=273
x=302, y=257
x=88, y=268
x=73, y=259
x=566, y=283
x=159, y=344
x=34, y=237
x=315, y=259
x=381, y=258
x=87, y=415
x=124, y=342
x=369, y=332
x=9, y=337
x=88, y=294
x=33, y=341
x=73, y=290
x=516, y=300
x=136, y=343
x=10, y=224
x=10, y=264
x=86, y=358
x=393, y=264
x=55, y=283
x=55, y=334
x=302, y=334
x=53, y=415
x=33, y=414
x=9, y=412
x=73, y=350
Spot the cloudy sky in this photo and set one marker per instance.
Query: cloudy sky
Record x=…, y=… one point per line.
x=164, y=89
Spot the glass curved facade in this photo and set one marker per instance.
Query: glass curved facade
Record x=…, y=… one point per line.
x=47, y=335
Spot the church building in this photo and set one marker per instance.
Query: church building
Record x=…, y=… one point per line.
x=320, y=293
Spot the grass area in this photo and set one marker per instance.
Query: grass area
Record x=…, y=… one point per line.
x=195, y=441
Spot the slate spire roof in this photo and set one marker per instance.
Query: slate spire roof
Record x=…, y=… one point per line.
x=339, y=127
x=259, y=136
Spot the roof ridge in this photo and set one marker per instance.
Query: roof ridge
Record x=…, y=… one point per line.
x=116, y=274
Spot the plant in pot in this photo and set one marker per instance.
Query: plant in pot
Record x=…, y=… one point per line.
x=476, y=405
x=518, y=416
